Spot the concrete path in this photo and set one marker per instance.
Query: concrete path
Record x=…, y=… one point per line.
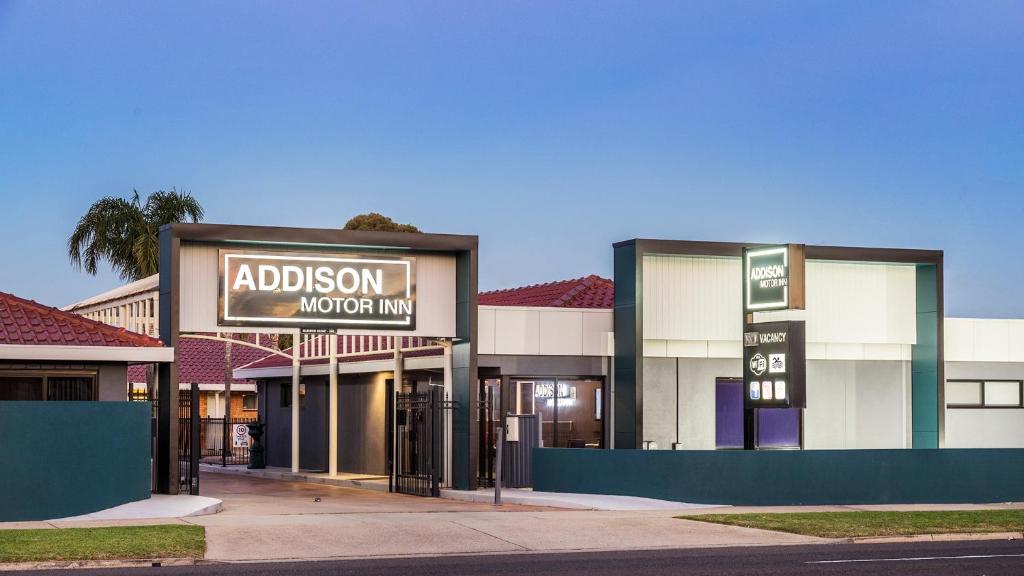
x=277, y=520
x=572, y=501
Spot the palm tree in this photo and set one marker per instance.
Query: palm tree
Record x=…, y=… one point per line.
x=125, y=232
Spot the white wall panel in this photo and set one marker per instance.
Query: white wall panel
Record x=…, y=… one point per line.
x=435, y=295
x=688, y=298
x=560, y=332
x=597, y=325
x=545, y=331
x=515, y=331
x=984, y=428
x=485, y=331
x=984, y=340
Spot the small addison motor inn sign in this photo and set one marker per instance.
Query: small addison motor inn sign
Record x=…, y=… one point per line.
x=260, y=288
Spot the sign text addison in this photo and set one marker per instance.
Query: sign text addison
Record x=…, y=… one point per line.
x=774, y=365
x=773, y=278
x=266, y=288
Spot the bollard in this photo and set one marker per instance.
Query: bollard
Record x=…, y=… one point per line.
x=497, y=466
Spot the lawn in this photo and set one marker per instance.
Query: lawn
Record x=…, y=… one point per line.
x=123, y=542
x=858, y=524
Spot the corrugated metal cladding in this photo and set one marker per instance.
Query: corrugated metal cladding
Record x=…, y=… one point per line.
x=694, y=298
x=435, y=295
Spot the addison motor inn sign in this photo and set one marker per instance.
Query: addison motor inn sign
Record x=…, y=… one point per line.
x=774, y=356
x=310, y=290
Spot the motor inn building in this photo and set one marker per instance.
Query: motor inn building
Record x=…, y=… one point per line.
x=651, y=360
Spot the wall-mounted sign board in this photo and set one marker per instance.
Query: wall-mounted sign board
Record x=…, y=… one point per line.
x=316, y=290
x=773, y=278
x=774, y=365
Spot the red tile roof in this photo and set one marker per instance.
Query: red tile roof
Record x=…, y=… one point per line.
x=29, y=323
x=358, y=343
x=202, y=361
x=589, y=292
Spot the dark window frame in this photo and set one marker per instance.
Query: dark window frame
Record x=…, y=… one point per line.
x=982, y=405
x=45, y=375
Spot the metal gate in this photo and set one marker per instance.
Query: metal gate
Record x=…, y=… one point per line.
x=217, y=441
x=416, y=465
x=189, y=446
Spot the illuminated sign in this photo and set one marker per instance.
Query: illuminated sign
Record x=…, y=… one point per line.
x=773, y=278
x=306, y=290
x=774, y=365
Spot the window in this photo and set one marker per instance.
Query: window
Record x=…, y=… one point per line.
x=21, y=388
x=983, y=394
x=1002, y=393
x=249, y=402
x=963, y=393
x=69, y=388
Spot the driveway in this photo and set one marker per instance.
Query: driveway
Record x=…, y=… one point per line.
x=279, y=520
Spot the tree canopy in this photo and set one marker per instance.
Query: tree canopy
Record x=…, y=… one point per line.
x=378, y=223
x=125, y=232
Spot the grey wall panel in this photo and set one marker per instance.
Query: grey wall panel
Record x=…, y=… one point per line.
x=697, y=398
x=279, y=426
x=313, y=423
x=112, y=382
x=660, y=405
x=361, y=423
x=984, y=427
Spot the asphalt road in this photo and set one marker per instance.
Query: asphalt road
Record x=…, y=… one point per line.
x=989, y=558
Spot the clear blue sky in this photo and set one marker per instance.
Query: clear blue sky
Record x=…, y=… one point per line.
x=549, y=129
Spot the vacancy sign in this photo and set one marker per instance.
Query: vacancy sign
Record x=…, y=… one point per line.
x=773, y=278
x=774, y=365
x=313, y=290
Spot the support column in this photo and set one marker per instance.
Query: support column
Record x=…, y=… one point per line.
x=332, y=399
x=295, y=402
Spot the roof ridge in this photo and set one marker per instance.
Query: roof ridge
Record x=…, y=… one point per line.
x=538, y=285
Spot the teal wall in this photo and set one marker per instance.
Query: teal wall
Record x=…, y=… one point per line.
x=62, y=459
x=786, y=477
x=924, y=363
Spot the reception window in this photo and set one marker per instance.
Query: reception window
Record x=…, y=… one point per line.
x=570, y=410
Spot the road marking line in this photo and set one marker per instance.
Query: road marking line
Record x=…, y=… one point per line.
x=917, y=559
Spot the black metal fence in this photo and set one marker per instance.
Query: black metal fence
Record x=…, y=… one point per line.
x=224, y=441
x=419, y=439
x=188, y=441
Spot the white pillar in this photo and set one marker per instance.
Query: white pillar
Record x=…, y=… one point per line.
x=332, y=399
x=295, y=402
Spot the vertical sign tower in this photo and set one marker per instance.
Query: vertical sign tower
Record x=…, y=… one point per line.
x=774, y=356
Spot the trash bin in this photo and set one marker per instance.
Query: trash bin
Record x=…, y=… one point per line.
x=257, y=454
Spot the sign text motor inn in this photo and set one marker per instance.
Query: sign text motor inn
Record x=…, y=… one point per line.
x=316, y=290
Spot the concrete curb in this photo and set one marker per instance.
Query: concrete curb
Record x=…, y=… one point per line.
x=937, y=537
x=63, y=564
x=288, y=476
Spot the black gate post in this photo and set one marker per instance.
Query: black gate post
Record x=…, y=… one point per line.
x=436, y=426
x=194, y=425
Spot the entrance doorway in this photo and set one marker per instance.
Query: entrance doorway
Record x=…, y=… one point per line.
x=777, y=428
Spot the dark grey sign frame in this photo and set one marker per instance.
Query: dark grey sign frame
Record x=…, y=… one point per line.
x=464, y=349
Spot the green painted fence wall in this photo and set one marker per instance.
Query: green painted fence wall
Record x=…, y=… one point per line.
x=60, y=459
x=787, y=477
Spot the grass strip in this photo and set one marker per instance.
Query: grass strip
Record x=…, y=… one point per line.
x=874, y=523
x=113, y=543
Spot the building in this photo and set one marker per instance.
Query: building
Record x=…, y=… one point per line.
x=65, y=414
x=653, y=362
